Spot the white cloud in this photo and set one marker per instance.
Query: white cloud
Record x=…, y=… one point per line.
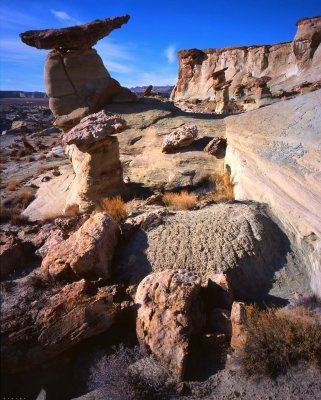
x=149, y=78
x=63, y=16
x=170, y=53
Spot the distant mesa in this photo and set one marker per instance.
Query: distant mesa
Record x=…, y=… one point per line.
x=77, y=82
x=74, y=37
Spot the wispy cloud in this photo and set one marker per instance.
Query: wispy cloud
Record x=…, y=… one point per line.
x=13, y=50
x=64, y=16
x=170, y=53
x=116, y=57
x=11, y=19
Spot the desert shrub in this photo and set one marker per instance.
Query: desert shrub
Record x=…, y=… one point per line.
x=223, y=187
x=29, y=159
x=71, y=210
x=124, y=374
x=25, y=197
x=12, y=185
x=13, y=215
x=111, y=372
x=278, y=339
x=41, y=156
x=115, y=207
x=180, y=201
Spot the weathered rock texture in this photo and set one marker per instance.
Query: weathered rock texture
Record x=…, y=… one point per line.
x=94, y=154
x=169, y=312
x=76, y=79
x=275, y=157
x=248, y=77
x=181, y=137
x=74, y=37
x=87, y=253
x=37, y=324
x=237, y=239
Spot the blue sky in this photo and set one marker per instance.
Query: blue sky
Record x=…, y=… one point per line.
x=144, y=51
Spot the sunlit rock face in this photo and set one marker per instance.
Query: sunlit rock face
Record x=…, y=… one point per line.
x=274, y=156
x=232, y=77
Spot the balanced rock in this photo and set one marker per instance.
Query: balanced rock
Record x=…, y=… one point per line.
x=169, y=312
x=94, y=154
x=87, y=253
x=74, y=37
x=77, y=82
x=181, y=137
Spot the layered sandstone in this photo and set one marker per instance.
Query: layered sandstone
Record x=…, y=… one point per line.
x=247, y=77
x=275, y=156
x=94, y=153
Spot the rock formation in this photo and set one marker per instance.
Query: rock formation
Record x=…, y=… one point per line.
x=181, y=137
x=36, y=325
x=237, y=239
x=216, y=146
x=94, y=154
x=247, y=77
x=76, y=79
x=274, y=156
x=169, y=312
x=87, y=253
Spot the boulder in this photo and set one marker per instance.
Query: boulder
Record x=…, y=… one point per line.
x=239, y=240
x=38, y=324
x=87, y=253
x=169, y=312
x=181, y=137
x=12, y=254
x=73, y=37
x=94, y=154
x=216, y=147
x=274, y=157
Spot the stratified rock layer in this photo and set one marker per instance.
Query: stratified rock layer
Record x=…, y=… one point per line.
x=37, y=324
x=232, y=76
x=169, y=311
x=73, y=37
x=275, y=157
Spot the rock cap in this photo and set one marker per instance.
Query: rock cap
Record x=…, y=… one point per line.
x=74, y=37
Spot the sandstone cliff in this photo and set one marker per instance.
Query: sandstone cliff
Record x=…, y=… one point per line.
x=275, y=157
x=247, y=77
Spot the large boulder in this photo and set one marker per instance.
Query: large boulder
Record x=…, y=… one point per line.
x=180, y=137
x=274, y=157
x=37, y=324
x=169, y=312
x=87, y=253
x=94, y=154
x=237, y=239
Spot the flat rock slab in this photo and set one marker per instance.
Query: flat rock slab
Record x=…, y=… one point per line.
x=73, y=37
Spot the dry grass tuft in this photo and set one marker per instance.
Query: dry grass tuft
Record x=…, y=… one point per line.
x=25, y=197
x=115, y=207
x=180, y=201
x=224, y=188
x=12, y=185
x=278, y=339
x=29, y=159
x=71, y=210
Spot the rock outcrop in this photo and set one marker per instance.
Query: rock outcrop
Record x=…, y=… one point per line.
x=94, y=154
x=87, y=253
x=37, y=325
x=239, y=240
x=274, y=156
x=169, y=312
x=76, y=79
x=247, y=77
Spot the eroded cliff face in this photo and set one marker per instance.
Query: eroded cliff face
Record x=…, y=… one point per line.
x=275, y=157
x=248, y=77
